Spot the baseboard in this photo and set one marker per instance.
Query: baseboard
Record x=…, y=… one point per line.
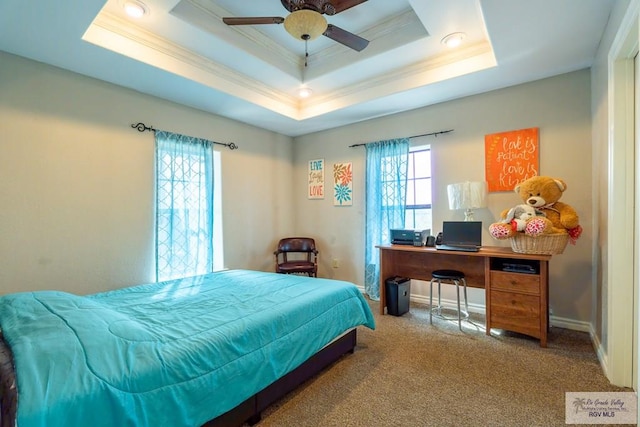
x=575, y=325
x=423, y=299
x=555, y=321
x=599, y=349
x=449, y=303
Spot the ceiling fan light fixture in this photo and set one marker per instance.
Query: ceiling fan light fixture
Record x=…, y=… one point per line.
x=305, y=24
x=135, y=9
x=453, y=40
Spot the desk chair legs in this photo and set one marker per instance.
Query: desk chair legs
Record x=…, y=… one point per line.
x=454, y=277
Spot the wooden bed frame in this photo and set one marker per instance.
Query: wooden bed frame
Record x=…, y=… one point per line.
x=248, y=411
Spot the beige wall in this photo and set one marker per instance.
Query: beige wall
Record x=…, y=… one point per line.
x=76, y=182
x=559, y=106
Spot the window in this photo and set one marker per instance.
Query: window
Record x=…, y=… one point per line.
x=185, y=200
x=418, y=208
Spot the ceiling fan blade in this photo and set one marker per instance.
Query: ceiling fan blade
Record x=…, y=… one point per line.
x=340, y=5
x=329, y=7
x=346, y=38
x=253, y=20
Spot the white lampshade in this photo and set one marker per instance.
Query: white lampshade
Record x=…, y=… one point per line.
x=305, y=24
x=468, y=196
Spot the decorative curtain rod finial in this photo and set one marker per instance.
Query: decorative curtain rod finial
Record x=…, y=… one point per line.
x=142, y=127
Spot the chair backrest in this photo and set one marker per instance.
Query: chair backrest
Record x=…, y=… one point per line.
x=297, y=245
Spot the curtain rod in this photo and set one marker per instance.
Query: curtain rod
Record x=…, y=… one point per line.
x=142, y=127
x=414, y=136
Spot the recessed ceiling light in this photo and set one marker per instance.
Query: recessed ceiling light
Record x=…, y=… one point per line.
x=304, y=92
x=135, y=9
x=453, y=39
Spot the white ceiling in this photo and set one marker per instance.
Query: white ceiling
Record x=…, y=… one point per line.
x=183, y=52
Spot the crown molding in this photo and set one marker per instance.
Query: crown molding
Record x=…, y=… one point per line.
x=145, y=46
x=479, y=55
x=390, y=34
x=207, y=16
x=218, y=76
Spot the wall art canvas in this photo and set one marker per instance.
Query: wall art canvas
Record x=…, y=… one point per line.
x=510, y=158
x=316, y=179
x=343, y=184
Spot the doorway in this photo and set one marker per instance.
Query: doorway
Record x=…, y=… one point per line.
x=636, y=242
x=623, y=216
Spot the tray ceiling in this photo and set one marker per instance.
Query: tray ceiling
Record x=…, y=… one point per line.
x=180, y=50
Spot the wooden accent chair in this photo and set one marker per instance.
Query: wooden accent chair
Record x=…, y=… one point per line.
x=297, y=255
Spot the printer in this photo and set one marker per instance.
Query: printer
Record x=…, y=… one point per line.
x=409, y=237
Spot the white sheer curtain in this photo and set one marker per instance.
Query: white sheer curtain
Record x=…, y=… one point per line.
x=184, y=206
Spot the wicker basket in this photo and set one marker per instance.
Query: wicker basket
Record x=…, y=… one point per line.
x=548, y=244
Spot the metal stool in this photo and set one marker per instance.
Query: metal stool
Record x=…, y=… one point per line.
x=455, y=277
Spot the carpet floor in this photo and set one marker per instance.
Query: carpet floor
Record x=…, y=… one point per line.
x=410, y=373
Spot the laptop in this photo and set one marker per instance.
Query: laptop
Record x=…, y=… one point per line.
x=463, y=236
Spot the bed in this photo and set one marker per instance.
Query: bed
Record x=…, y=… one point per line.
x=210, y=350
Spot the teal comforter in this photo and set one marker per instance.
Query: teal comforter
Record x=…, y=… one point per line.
x=175, y=353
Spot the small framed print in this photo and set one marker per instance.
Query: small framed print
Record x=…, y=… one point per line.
x=343, y=184
x=316, y=179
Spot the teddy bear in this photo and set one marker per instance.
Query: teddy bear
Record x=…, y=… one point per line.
x=542, y=193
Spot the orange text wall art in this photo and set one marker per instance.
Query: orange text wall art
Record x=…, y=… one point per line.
x=510, y=158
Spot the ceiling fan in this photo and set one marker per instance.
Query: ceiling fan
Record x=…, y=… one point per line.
x=305, y=22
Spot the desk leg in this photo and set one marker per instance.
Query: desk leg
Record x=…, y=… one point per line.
x=544, y=302
x=383, y=296
x=384, y=271
x=487, y=294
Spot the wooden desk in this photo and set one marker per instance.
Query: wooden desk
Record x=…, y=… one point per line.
x=517, y=302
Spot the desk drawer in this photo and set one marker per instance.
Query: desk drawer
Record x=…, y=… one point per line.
x=515, y=282
x=516, y=312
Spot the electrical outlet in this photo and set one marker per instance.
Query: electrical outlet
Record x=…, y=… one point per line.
x=335, y=263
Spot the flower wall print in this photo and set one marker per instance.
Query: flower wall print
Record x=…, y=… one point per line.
x=342, y=184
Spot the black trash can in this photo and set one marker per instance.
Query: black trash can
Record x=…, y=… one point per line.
x=398, y=291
